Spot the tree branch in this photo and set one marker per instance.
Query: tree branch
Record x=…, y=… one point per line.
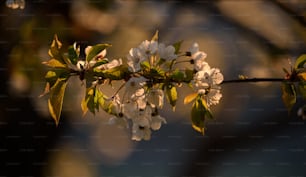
x=254, y=80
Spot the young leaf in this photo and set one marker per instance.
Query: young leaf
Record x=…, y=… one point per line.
x=55, y=101
x=199, y=112
x=188, y=75
x=288, y=95
x=299, y=63
x=73, y=55
x=99, y=99
x=96, y=50
x=53, y=75
x=156, y=73
x=155, y=37
x=100, y=62
x=55, y=49
x=88, y=102
x=102, y=100
x=177, y=46
x=55, y=46
x=171, y=95
x=189, y=98
x=116, y=73
x=93, y=99
x=54, y=63
x=177, y=75
x=145, y=65
x=84, y=103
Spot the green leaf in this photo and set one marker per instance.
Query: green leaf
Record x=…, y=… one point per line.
x=199, y=113
x=54, y=63
x=96, y=50
x=188, y=75
x=55, y=46
x=116, y=73
x=55, y=101
x=156, y=73
x=93, y=99
x=145, y=65
x=55, y=49
x=171, y=94
x=88, y=102
x=177, y=75
x=107, y=106
x=177, y=46
x=288, y=95
x=101, y=62
x=53, y=75
x=73, y=54
x=99, y=99
x=299, y=63
x=155, y=37
x=189, y=98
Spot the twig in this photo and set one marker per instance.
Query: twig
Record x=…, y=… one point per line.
x=254, y=80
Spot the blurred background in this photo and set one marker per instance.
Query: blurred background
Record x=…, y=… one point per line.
x=252, y=134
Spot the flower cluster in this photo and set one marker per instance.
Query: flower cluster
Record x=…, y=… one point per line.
x=206, y=80
x=150, y=76
x=143, y=98
x=141, y=107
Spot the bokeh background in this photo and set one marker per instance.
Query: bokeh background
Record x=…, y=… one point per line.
x=252, y=134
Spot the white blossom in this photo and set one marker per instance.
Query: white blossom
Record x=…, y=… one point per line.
x=197, y=56
x=121, y=122
x=143, y=116
x=141, y=124
x=156, y=98
x=140, y=132
x=134, y=58
x=156, y=122
x=139, y=97
x=148, y=48
x=194, y=48
x=134, y=83
x=207, y=77
x=167, y=53
x=216, y=76
x=213, y=96
x=206, y=82
x=202, y=80
x=129, y=109
x=199, y=61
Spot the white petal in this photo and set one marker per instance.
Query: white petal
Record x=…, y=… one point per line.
x=88, y=49
x=156, y=122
